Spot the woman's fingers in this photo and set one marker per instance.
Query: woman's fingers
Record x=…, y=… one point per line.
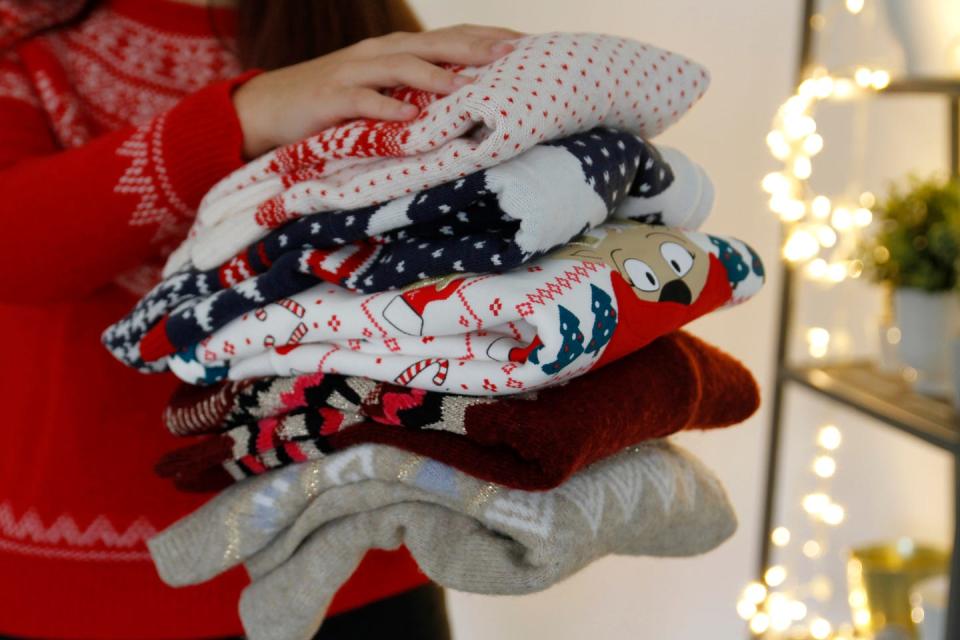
x=402, y=69
x=366, y=103
x=454, y=45
x=285, y=105
x=457, y=48
x=484, y=31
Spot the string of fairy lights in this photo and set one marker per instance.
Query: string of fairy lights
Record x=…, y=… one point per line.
x=822, y=233
x=821, y=238
x=778, y=607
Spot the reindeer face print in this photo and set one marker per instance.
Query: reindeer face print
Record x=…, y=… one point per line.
x=660, y=264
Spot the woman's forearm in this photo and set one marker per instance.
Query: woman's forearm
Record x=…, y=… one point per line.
x=73, y=220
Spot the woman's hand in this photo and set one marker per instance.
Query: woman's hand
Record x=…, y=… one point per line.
x=289, y=104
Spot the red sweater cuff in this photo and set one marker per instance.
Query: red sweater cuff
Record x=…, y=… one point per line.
x=203, y=140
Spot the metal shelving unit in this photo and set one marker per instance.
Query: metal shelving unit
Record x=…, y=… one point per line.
x=861, y=386
x=884, y=397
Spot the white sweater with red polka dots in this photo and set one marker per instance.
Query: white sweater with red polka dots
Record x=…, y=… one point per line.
x=551, y=85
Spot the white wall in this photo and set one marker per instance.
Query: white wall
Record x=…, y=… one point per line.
x=749, y=46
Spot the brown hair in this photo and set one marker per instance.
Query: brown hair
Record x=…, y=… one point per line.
x=278, y=33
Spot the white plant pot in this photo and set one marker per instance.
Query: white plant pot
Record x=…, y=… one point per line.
x=928, y=323
x=929, y=32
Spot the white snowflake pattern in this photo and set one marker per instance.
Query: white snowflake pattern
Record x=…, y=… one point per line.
x=146, y=176
x=66, y=538
x=14, y=82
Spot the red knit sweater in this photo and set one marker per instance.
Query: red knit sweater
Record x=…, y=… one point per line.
x=111, y=130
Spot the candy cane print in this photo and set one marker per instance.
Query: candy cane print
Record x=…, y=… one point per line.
x=411, y=372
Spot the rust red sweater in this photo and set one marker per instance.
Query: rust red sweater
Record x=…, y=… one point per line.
x=111, y=130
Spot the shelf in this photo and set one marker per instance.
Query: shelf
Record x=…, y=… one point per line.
x=861, y=386
x=886, y=398
x=940, y=86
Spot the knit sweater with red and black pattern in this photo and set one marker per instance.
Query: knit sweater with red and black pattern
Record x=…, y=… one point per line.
x=112, y=127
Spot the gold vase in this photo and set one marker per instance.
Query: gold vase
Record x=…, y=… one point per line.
x=880, y=579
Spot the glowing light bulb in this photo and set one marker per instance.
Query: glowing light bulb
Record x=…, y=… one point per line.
x=775, y=182
x=824, y=466
x=824, y=87
x=880, y=79
x=746, y=610
x=813, y=144
x=808, y=88
x=815, y=503
x=777, y=600
x=778, y=608
x=843, y=88
x=775, y=575
x=780, y=536
x=781, y=620
x=778, y=144
x=820, y=207
x=812, y=549
x=829, y=437
x=795, y=106
x=791, y=209
x=833, y=514
x=800, y=246
x=867, y=200
x=755, y=593
x=841, y=219
x=862, y=217
x=861, y=617
x=797, y=125
x=826, y=236
x=820, y=629
x=818, y=341
x=857, y=598
x=817, y=351
x=821, y=588
x=760, y=623
x=863, y=76
x=798, y=610
x=817, y=269
x=854, y=6
x=837, y=271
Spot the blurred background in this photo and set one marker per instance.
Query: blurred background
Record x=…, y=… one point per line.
x=845, y=481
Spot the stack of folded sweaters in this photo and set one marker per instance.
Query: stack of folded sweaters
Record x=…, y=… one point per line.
x=458, y=334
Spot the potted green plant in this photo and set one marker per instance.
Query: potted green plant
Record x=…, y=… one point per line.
x=915, y=249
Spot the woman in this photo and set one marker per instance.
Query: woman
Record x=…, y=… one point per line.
x=115, y=118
